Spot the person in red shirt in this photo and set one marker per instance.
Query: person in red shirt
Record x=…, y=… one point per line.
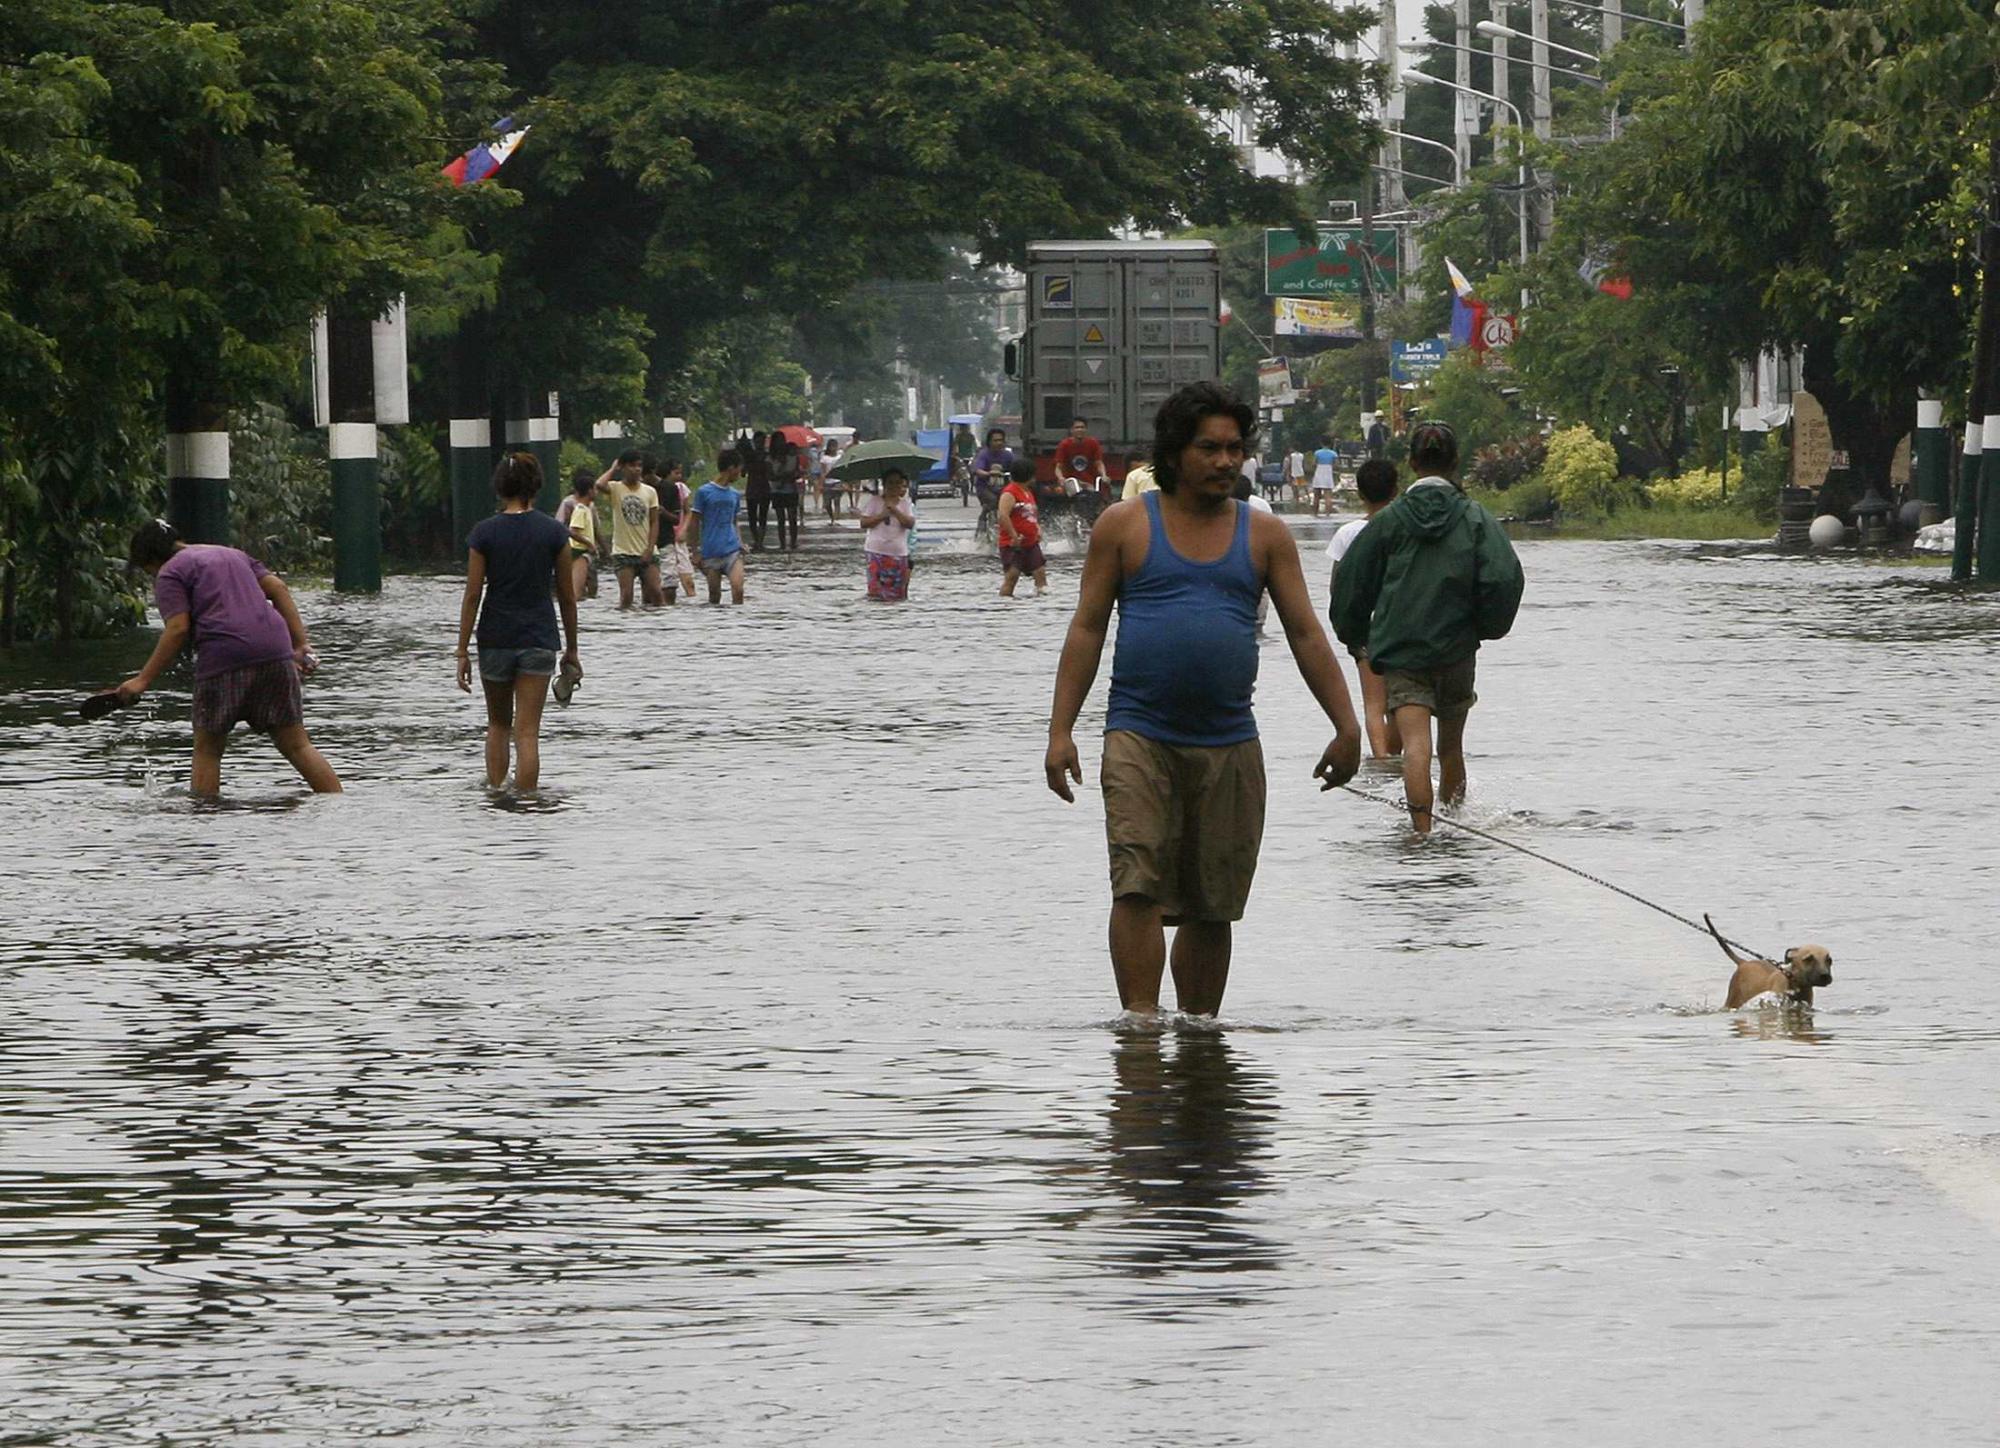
x=1080, y=461
x=1020, y=530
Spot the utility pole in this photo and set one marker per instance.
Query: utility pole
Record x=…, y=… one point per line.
x=1386, y=47
x=1367, y=298
x=1614, y=33
x=351, y=450
x=1501, y=69
x=1468, y=106
x=1543, y=113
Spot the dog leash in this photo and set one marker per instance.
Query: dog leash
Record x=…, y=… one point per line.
x=1488, y=835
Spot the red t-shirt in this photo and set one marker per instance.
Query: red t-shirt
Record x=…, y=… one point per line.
x=1079, y=460
x=1021, y=514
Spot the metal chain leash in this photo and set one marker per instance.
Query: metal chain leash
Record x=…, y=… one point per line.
x=1399, y=805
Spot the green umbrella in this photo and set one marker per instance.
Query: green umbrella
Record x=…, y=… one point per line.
x=872, y=459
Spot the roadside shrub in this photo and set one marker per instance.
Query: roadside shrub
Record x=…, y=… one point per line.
x=280, y=489
x=1582, y=472
x=1504, y=465
x=1696, y=488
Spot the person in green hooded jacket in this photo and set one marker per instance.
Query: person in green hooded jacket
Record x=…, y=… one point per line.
x=1428, y=580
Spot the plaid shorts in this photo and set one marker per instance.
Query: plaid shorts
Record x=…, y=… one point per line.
x=264, y=696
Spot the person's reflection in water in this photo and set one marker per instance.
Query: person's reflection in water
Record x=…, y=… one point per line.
x=1189, y=1126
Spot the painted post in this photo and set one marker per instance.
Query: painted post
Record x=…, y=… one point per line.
x=197, y=468
x=531, y=428
x=1988, y=552
x=1933, y=489
x=350, y=449
x=471, y=429
x=674, y=439
x=1967, y=511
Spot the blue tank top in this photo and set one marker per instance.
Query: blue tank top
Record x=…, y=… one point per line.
x=1186, y=661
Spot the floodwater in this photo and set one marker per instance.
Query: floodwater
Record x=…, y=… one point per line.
x=759, y=1082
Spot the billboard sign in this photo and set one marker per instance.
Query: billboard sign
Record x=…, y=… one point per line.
x=1274, y=383
x=1416, y=361
x=1331, y=266
x=1316, y=317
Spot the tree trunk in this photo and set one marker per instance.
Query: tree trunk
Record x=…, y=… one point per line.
x=1865, y=427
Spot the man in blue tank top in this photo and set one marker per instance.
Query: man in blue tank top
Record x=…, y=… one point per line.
x=1183, y=774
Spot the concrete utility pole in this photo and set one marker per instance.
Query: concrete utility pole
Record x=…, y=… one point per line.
x=1468, y=106
x=532, y=427
x=1543, y=111
x=1502, y=71
x=470, y=426
x=1392, y=150
x=1614, y=32
x=1692, y=11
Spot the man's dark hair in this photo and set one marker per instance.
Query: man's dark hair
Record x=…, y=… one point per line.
x=727, y=459
x=1433, y=447
x=649, y=465
x=581, y=481
x=1180, y=418
x=1021, y=471
x=519, y=476
x=993, y=432
x=154, y=543
x=1375, y=480
x=1075, y=420
x=629, y=456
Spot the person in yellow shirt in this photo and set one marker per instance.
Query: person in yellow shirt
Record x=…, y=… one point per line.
x=1138, y=477
x=582, y=522
x=635, y=529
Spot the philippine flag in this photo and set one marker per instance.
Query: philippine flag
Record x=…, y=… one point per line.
x=486, y=157
x=1458, y=282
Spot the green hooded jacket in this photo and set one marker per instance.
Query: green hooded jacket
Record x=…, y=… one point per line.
x=1429, y=577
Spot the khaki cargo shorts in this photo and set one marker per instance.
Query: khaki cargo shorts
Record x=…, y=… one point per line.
x=1445, y=690
x=1184, y=824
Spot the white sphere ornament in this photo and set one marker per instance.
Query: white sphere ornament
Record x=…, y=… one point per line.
x=1827, y=531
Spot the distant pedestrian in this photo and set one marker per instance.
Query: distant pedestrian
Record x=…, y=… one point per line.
x=674, y=560
x=1376, y=482
x=1295, y=474
x=787, y=482
x=886, y=520
x=1323, y=481
x=756, y=456
x=830, y=487
x=716, y=529
x=512, y=564
x=250, y=651
x=1378, y=438
x=1138, y=476
x=1429, y=578
x=635, y=527
x=1183, y=772
x=1018, y=519
x=578, y=512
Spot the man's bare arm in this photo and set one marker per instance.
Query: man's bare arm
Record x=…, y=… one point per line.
x=1083, y=646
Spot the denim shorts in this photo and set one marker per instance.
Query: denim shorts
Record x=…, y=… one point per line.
x=499, y=666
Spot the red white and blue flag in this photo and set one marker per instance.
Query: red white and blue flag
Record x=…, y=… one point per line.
x=486, y=157
x=1468, y=313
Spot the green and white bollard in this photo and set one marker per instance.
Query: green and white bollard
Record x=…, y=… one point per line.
x=1989, y=500
x=357, y=507
x=471, y=475
x=1967, y=511
x=198, y=485
x=1929, y=455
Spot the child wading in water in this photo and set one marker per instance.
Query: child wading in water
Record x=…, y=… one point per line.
x=513, y=558
x=1375, y=480
x=1429, y=578
x=887, y=521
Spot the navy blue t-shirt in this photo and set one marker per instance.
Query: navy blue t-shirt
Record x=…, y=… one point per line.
x=521, y=549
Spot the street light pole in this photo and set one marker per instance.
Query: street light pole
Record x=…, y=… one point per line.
x=1520, y=148
x=1457, y=174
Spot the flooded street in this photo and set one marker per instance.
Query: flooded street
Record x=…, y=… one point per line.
x=757, y=1083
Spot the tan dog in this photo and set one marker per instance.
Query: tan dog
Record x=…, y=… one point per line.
x=1805, y=966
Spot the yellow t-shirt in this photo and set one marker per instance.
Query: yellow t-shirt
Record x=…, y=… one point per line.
x=583, y=526
x=1138, y=481
x=631, y=506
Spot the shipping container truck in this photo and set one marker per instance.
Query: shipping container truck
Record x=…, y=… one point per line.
x=1114, y=327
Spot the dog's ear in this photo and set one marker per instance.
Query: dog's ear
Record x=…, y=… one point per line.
x=1791, y=957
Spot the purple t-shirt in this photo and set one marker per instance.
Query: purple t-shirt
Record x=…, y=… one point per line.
x=234, y=622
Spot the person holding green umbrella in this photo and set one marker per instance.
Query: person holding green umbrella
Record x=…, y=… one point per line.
x=886, y=521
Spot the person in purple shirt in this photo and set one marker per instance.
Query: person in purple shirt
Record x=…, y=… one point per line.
x=250, y=650
x=989, y=466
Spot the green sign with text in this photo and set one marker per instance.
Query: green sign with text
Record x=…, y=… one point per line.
x=1330, y=267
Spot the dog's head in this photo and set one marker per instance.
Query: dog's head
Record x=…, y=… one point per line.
x=1809, y=965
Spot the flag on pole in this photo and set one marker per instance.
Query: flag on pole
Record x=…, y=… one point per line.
x=1458, y=282
x=1596, y=270
x=486, y=157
